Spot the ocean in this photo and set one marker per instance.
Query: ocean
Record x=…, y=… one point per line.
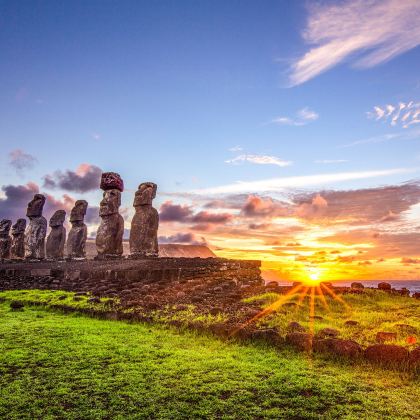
x=412, y=285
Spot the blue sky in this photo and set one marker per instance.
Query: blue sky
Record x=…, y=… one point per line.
x=198, y=95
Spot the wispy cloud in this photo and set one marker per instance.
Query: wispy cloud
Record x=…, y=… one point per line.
x=330, y=161
x=404, y=113
x=21, y=160
x=369, y=32
x=303, y=116
x=259, y=160
x=405, y=135
x=236, y=148
x=281, y=184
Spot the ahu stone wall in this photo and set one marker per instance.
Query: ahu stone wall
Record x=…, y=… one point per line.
x=110, y=278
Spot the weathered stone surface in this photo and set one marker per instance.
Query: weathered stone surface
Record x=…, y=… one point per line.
x=17, y=250
x=328, y=332
x=36, y=230
x=351, y=323
x=111, y=229
x=300, y=340
x=357, y=286
x=295, y=327
x=76, y=242
x=387, y=354
x=384, y=286
x=145, y=223
x=5, y=239
x=57, y=236
x=111, y=181
x=383, y=336
x=339, y=347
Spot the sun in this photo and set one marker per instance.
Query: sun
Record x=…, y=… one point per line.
x=314, y=276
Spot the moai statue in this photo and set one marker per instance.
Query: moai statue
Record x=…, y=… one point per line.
x=145, y=223
x=36, y=230
x=111, y=229
x=5, y=239
x=17, y=250
x=76, y=241
x=57, y=237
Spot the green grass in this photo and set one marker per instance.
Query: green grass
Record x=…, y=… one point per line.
x=374, y=311
x=54, y=365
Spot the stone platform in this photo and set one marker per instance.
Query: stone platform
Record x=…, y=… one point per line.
x=110, y=277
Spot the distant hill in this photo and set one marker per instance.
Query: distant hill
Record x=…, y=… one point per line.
x=165, y=250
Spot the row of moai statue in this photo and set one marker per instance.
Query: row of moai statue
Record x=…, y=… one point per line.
x=28, y=242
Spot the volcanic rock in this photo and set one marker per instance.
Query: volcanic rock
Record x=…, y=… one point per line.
x=5, y=239
x=299, y=340
x=57, y=237
x=111, y=229
x=328, y=332
x=17, y=249
x=295, y=327
x=346, y=348
x=76, y=241
x=111, y=181
x=145, y=223
x=384, y=286
x=387, y=354
x=383, y=336
x=37, y=229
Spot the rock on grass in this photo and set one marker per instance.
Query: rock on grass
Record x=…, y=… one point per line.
x=387, y=354
x=16, y=305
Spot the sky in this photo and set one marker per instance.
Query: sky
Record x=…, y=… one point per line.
x=282, y=131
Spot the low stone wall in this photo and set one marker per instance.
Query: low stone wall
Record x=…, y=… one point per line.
x=109, y=278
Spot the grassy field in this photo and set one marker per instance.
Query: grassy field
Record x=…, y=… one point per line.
x=54, y=365
x=374, y=311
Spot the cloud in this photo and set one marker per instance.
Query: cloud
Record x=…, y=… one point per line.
x=316, y=208
x=407, y=260
x=21, y=161
x=282, y=184
x=362, y=206
x=256, y=206
x=405, y=135
x=236, y=149
x=182, y=238
x=404, y=114
x=16, y=198
x=329, y=161
x=213, y=218
x=259, y=160
x=303, y=116
x=367, y=32
x=170, y=212
x=85, y=178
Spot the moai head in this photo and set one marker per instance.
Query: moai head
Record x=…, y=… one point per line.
x=111, y=181
x=57, y=219
x=35, y=206
x=78, y=212
x=5, y=226
x=19, y=227
x=110, y=203
x=145, y=194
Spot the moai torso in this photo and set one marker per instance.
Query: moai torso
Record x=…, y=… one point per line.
x=76, y=241
x=5, y=239
x=111, y=229
x=145, y=223
x=17, y=250
x=36, y=230
x=57, y=237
